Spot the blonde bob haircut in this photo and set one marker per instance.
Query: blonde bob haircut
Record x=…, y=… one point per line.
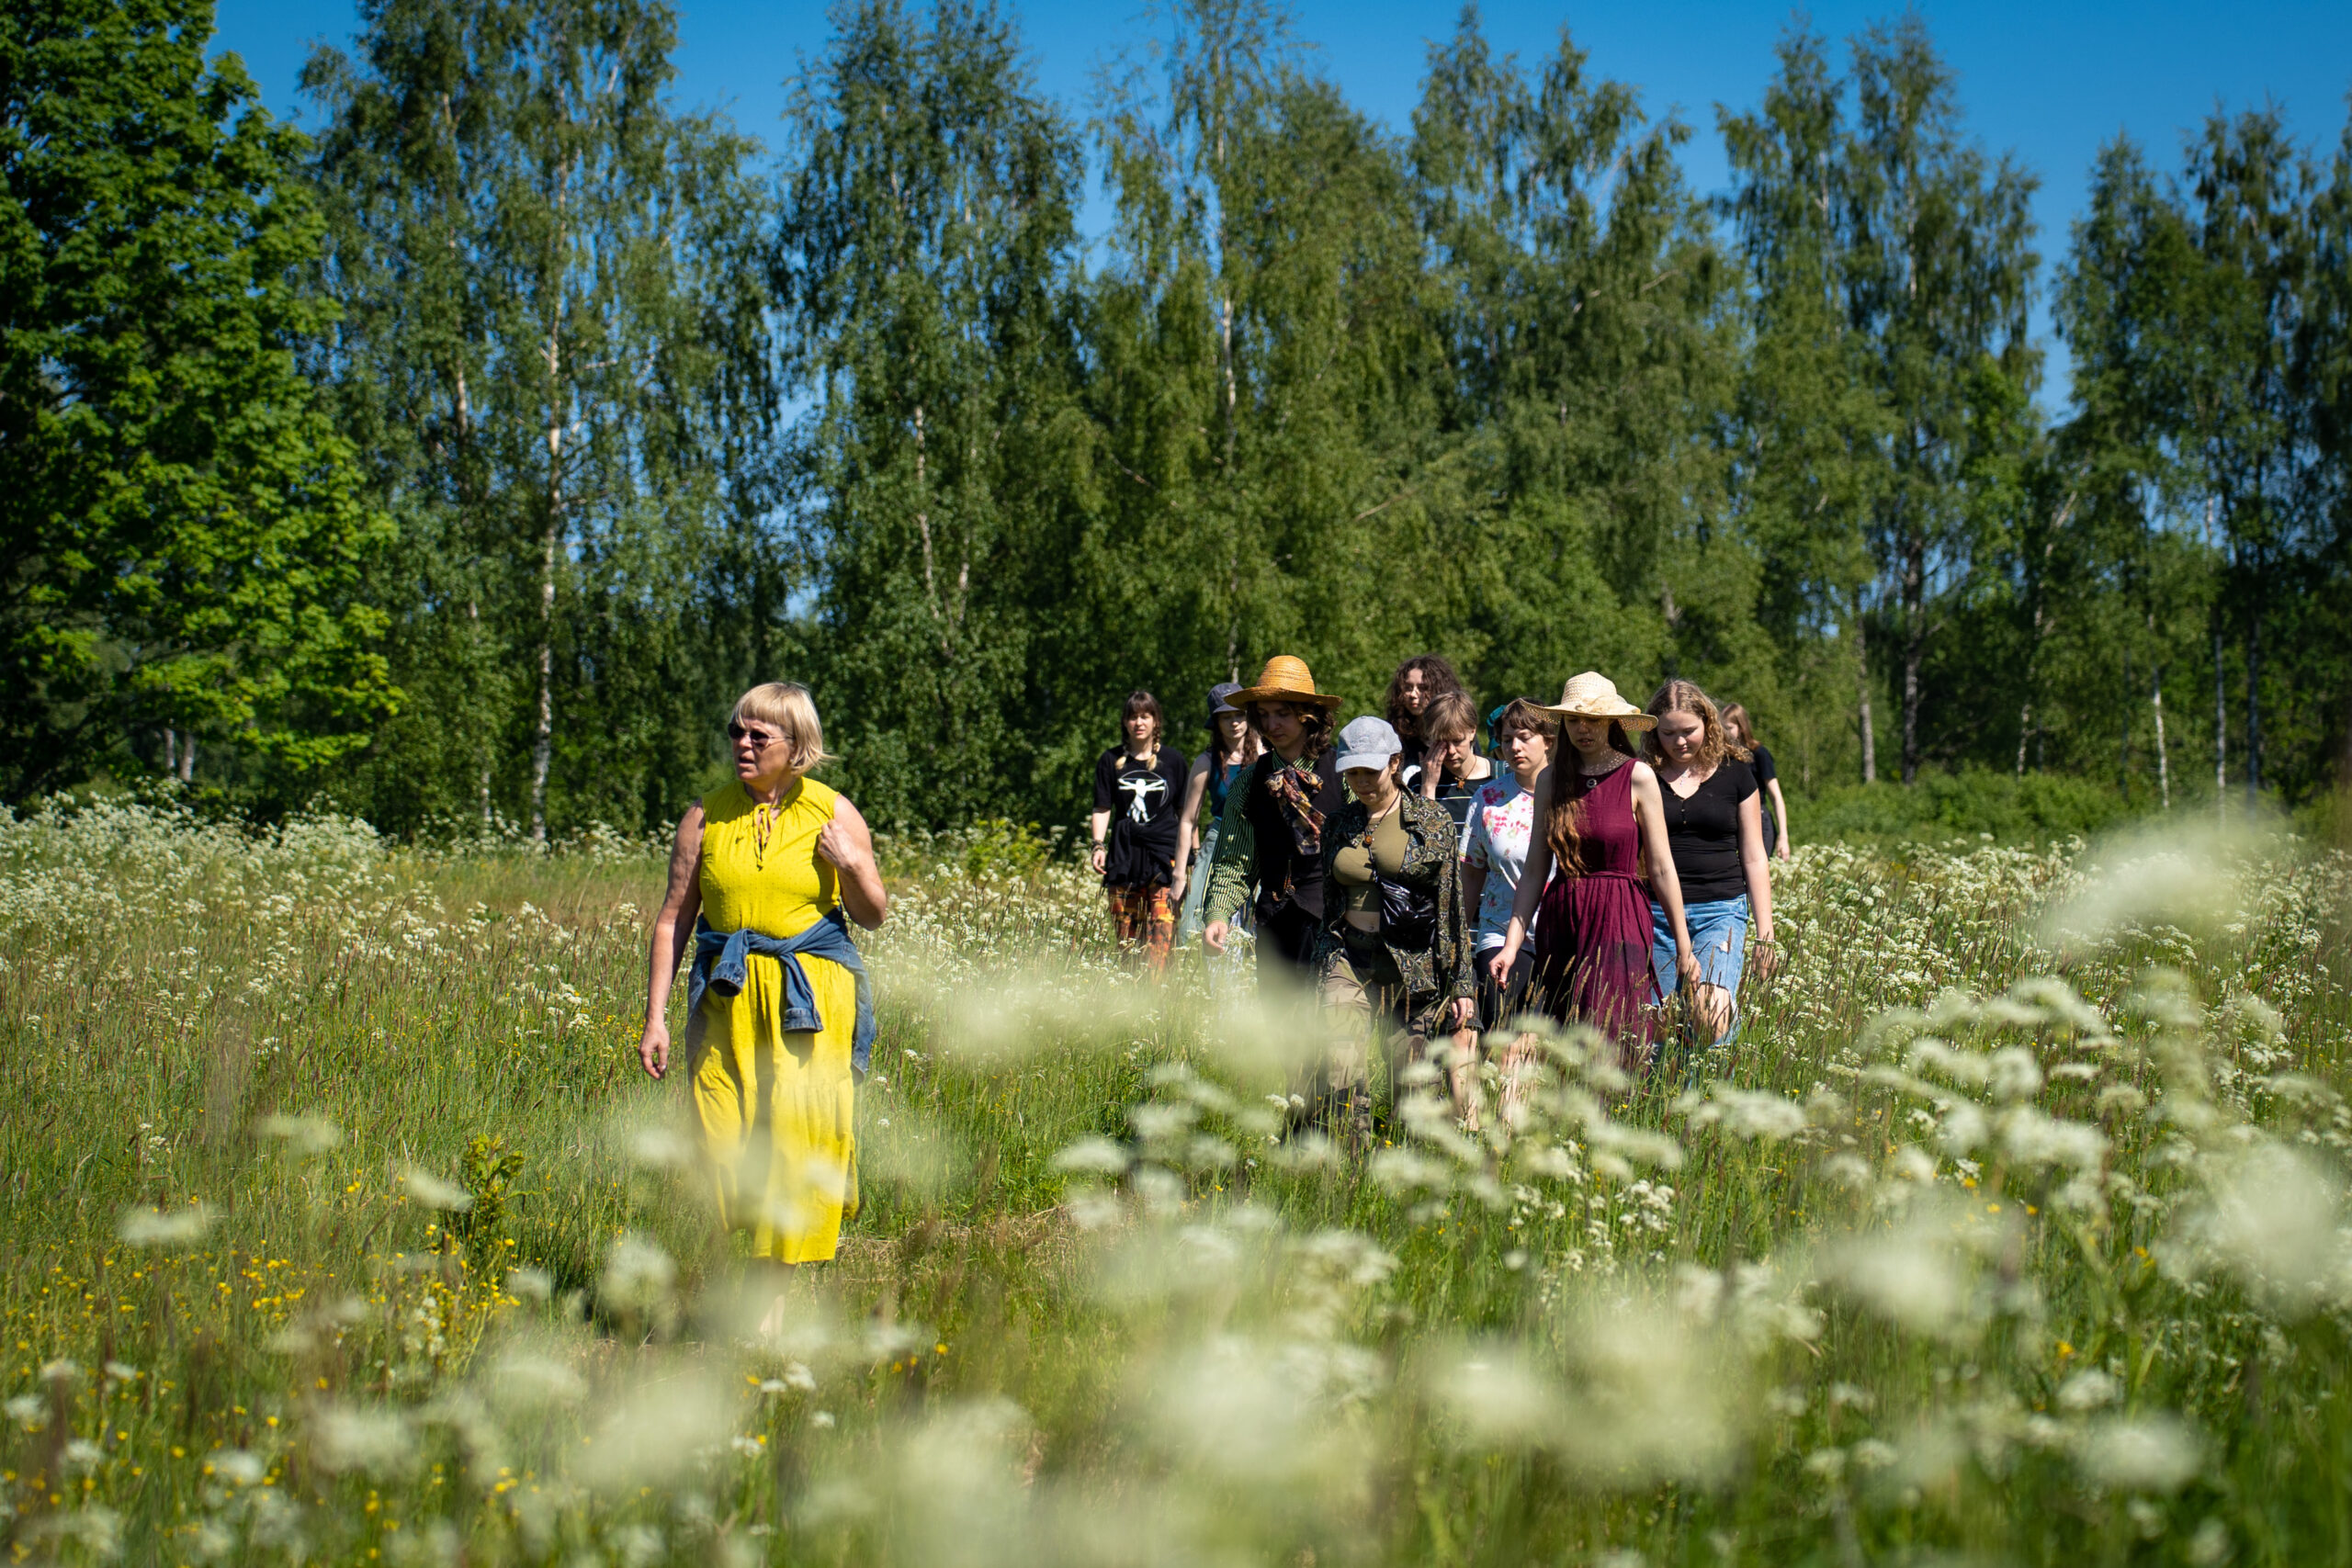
x=787, y=705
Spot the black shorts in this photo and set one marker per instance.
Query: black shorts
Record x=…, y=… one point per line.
x=1498, y=1004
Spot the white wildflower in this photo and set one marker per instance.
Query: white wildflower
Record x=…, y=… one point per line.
x=150, y=1227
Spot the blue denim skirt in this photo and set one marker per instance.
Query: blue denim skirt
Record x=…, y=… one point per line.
x=1718, y=939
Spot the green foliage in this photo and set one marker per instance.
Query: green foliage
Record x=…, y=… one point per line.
x=185, y=543
x=640, y=415
x=555, y=360
x=487, y=1172
x=1892, y=410
x=923, y=264
x=2008, y=809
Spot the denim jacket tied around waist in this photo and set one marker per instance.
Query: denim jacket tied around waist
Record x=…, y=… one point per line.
x=721, y=964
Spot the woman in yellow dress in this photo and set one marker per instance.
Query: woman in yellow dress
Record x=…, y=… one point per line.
x=779, y=1020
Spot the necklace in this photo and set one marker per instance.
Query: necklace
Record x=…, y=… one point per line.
x=1616, y=761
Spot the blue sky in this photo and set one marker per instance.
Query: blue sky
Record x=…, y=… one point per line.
x=2050, y=82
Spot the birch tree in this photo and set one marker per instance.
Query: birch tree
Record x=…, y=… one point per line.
x=552, y=352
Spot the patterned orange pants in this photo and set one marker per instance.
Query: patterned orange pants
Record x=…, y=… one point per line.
x=1144, y=917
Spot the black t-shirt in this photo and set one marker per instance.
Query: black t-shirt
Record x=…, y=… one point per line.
x=1143, y=803
x=1704, y=833
x=1761, y=761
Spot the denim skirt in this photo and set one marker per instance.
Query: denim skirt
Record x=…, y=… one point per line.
x=1718, y=939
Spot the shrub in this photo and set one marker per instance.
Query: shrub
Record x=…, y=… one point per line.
x=2032, y=808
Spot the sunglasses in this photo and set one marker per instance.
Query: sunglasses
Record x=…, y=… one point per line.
x=759, y=739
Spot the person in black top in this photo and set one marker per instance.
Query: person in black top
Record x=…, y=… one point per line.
x=1138, y=795
x=1768, y=778
x=1714, y=829
x=1271, y=836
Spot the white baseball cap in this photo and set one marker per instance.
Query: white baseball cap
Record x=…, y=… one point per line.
x=1368, y=743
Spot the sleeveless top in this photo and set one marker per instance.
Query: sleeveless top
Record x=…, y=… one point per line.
x=1608, y=838
x=1221, y=777
x=781, y=890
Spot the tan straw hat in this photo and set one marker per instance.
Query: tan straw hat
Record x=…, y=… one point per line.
x=1284, y=678
x=1594, y=696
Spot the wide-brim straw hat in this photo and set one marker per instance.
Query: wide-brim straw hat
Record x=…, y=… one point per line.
x=1284, y=678
x=1594, y=696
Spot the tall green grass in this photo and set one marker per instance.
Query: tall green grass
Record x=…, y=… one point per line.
x=2007, y=1230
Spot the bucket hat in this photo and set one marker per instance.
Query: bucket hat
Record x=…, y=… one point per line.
x=1284, y=678
x=1594, y=696
x=1221, y=699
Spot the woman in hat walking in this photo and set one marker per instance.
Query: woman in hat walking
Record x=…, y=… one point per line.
x=1270, y=837
x=1138, y=794
x=1601, y=826
x=1715, y=826
x=1393, y=954
x=1233, y=745
x=779, y=1017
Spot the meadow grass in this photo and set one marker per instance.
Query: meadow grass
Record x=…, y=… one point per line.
x=342, y=1228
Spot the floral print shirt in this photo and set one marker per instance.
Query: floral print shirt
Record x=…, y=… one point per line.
x=1502, y=824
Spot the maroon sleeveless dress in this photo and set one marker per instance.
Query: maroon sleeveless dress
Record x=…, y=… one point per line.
x=1592, y=933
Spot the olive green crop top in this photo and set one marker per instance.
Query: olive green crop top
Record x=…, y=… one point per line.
x=1352, y=867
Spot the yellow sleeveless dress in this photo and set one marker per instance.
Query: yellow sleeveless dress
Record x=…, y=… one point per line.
x=778, y=1110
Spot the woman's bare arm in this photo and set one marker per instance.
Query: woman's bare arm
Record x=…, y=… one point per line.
x=1196, y=791
x=1760, y=878
x=1781, y=814
x=1532, y=878
x=673, y=927
x=1649, y=812
x=849, y=844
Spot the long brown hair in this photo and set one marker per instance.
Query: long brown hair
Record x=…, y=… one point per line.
x=1564, y=826
x=1682, y=696
x=1437, y=675
x=1142, y=703
x=1738, y=725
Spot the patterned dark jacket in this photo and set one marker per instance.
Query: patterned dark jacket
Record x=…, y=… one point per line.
x=1440, y=973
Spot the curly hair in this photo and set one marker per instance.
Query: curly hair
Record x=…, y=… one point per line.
x=1437, y=675
x=1684, y=696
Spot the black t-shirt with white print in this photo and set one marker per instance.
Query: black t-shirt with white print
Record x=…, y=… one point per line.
x=1143, y=802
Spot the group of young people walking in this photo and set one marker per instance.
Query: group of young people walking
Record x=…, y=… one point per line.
x=1431, y=892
